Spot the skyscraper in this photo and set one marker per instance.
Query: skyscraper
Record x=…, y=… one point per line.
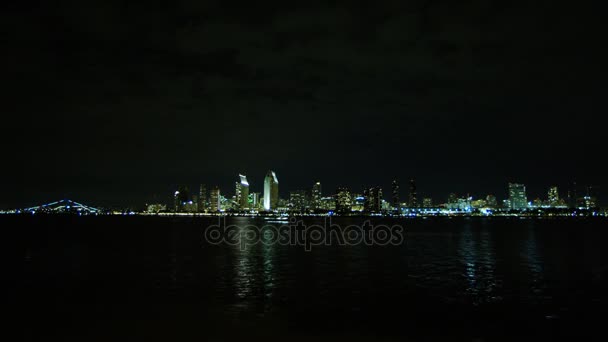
x=413, y=200
x=553, y=196
x=254, y=200
x=297, y=200
x=589, y=201
x=180, y=198
x=271, y=191
x=202, y=198
x=343, y=200
x=373, y=199
x=316, y=196
x=242, y=193
x=517, y=196
x=395, y=195
x=214, y=199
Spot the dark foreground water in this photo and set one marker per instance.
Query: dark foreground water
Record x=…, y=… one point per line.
x=147, y=278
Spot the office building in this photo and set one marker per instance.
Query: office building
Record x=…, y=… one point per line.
x=271, y=191
x=315, y=200
x=517, y=196
x=553, y=196
x=413, y=198
x=202, y=198
x=297, y=201
x=373, y=199
x=214, y=200
x=395, y=195
x=343, y=200
x=242, y=193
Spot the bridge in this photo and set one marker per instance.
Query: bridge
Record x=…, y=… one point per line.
x=64, y=206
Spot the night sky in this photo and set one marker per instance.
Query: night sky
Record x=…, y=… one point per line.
x=114, y=103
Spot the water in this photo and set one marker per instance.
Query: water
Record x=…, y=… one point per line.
x=99, y=278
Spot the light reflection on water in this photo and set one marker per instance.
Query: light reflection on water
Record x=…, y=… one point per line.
x=469, y=262
x=476, y=252
x=459, y=264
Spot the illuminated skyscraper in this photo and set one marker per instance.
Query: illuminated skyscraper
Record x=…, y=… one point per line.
x=517, y=196
x=254, y=200
x=413, y=200
x=589, y=201
x=271, y=191
x=553, y=196
x=373, y=199
x=242, y=193
x=316, y=196
x=395, y=195
x=297, y=200
x=214, y=199
x=202, y=198
x=343, y=200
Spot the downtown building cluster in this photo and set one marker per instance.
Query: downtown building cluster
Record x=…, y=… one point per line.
x=368, y=201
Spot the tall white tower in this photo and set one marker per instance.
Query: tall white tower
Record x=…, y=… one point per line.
x=271, y=191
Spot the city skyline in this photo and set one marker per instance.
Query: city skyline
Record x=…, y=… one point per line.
x=242, y=191
x=370, y=199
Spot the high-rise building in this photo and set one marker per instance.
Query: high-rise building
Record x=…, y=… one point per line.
x=358, y=202
x=254, y=200
x=242, y=193
x=373, y=199
x=553, y=196
x=297, y=200
x=589, y=201
x=214, y=199
x=427, y=202
x=413, y=199
x=517, y=196
x=316, y=196
x=180, y=198
x=343, y=200
x=395, y=195
x=328, y=203
x=271, y=191
x=202, y=198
